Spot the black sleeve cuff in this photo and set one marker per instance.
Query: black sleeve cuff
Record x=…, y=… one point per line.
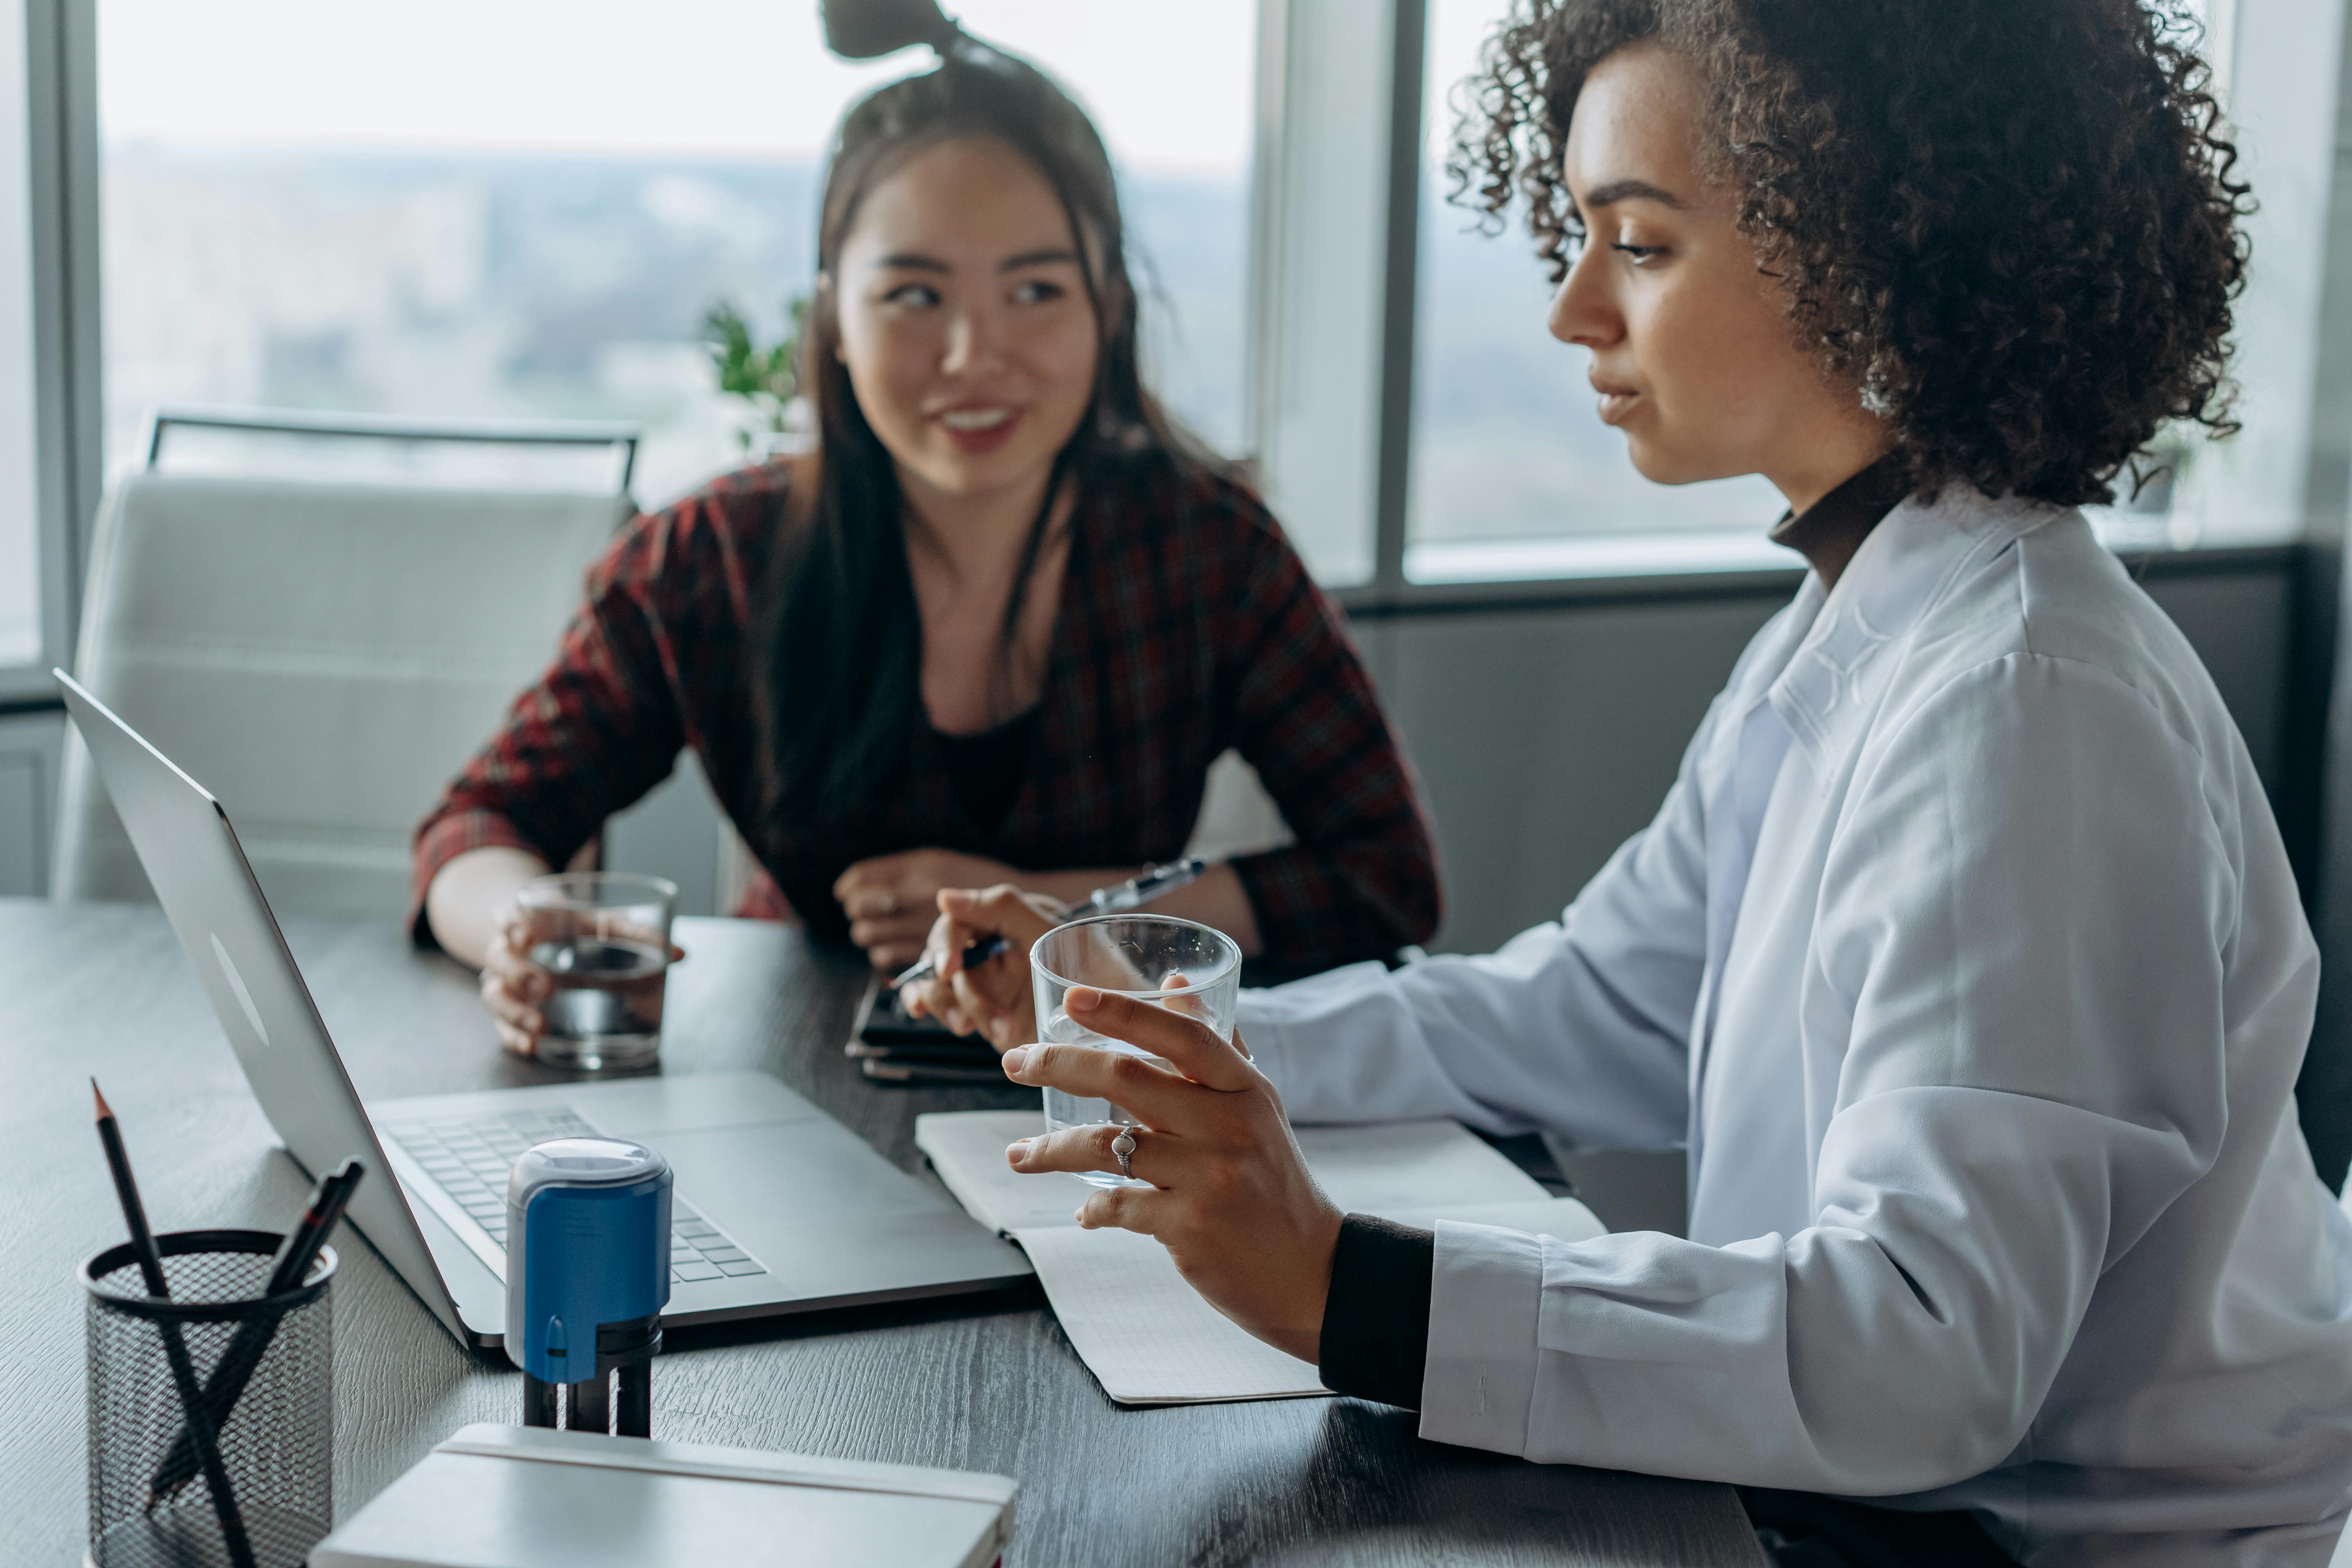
x=1376, y=1318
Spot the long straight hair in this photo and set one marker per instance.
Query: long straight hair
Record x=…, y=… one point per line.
x=842, y=697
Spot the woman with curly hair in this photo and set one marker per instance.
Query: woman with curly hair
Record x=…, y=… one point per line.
x=1962, y=957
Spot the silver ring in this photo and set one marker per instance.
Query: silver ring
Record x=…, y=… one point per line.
x=1124, y=1147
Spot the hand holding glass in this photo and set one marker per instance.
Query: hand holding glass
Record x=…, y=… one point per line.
x=603, y=937
x=1182, y=966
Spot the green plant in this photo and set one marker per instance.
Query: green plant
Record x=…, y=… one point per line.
x=766, y=378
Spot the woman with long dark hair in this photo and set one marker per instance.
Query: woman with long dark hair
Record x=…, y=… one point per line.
x=995, y=627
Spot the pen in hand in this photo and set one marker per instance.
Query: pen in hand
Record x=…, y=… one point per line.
x=976, y=955
x=1151, y=882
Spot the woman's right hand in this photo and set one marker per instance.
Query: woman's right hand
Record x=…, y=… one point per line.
x=513, y=987
x=993, y=999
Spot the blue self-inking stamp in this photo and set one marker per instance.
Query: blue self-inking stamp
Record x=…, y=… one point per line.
x=587, y=1277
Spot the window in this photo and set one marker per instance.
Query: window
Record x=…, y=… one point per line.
x=21, y=554
x=1510, y=468
x=524, y=211
x=1512, y=476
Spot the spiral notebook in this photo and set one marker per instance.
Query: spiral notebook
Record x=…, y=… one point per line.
x=1147, y=1336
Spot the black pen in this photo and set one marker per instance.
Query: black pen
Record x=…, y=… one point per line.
x=1151, y=882
x=328, y=1201
x=205, y=1440
x=929, y=1072
x=976, y=955
x=238, y=1362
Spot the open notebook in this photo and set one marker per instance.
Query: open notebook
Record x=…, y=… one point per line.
x=1147, y=1336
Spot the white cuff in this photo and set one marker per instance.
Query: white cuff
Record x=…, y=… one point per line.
x=1262, y=1034
x=1486, y=1298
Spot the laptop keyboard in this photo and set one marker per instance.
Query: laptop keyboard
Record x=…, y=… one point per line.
x=471, y=1160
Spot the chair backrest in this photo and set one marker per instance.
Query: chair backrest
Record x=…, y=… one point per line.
x=323, y=657
x=1237, y=816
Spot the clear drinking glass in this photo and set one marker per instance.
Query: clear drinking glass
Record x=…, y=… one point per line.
x=1178, y=964
x=603, y=939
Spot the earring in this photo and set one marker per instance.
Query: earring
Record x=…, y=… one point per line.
x=1876, y=399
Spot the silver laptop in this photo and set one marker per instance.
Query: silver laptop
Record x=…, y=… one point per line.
x=777, y=1208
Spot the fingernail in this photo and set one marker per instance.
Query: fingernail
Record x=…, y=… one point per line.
x=1013, y=1059
x=1082, y=999
x=1017, y=1151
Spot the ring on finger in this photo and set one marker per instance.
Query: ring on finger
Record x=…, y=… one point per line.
x=1123, y=1146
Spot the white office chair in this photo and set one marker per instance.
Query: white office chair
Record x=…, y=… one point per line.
x=1237, y=816
x=322, y=657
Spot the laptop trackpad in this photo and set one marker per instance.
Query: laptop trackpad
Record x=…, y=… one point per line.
x=789, y=1175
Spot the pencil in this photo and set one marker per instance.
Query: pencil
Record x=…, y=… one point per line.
x=126, y=1191
x=175, y=1348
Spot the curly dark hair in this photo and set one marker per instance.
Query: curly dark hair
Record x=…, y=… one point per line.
x=2011, y=225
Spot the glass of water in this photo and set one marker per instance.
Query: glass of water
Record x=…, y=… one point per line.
x=603, y=939
x=1182, y=966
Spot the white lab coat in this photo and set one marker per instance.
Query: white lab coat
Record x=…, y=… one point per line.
x=1964, y=958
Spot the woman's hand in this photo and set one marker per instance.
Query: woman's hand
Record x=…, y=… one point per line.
x=1231, y=1197
x=514, y=988
x=891, y=899
x=994, y=998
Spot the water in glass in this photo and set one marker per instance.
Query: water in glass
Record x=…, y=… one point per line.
x=602, y=939
x=1155, y=959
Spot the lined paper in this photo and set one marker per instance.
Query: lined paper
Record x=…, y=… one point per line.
x=1148, y=1337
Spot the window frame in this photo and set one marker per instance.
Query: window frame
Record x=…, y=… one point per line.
x=60, y=142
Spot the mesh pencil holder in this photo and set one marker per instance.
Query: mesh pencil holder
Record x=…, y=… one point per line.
x=262, y=1494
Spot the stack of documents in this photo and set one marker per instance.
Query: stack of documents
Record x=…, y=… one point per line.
x=524, y=1497
x=1147, y=1336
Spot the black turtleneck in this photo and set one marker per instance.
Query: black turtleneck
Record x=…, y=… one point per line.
x=1828, y=531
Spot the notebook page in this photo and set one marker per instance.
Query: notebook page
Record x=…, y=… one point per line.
x=1150, y=1339
x=967, y=1149
x=1147, y=1336
x=1364, y=1170
x=1375, y=1169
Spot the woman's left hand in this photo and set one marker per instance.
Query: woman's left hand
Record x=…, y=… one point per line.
x=1231, y=1197
x=891, y=898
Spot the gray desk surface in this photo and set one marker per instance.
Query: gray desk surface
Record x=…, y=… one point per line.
x=984, y=1383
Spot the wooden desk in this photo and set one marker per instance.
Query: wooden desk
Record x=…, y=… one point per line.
x=983, y=1383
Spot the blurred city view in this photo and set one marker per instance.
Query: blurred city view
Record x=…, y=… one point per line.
x=537, y=285
x=522, y=212
x=1505, y=442
x=536, y=225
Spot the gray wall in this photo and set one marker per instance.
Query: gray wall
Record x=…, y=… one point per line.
x=1545, y=737
x=31, y=747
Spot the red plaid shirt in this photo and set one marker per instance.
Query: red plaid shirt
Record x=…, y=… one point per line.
x=1186, y=626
